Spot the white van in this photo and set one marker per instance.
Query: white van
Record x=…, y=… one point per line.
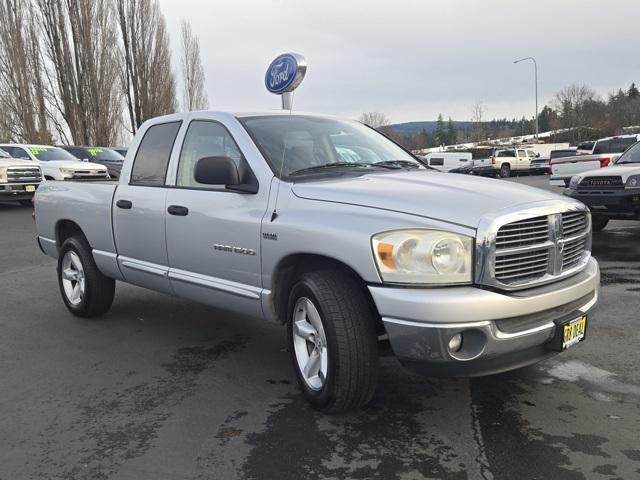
x=447, y=161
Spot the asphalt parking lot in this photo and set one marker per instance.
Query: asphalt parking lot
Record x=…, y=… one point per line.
x=166, y=389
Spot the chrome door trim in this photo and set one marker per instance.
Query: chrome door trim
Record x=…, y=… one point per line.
x=215, y=283
x=142, y=266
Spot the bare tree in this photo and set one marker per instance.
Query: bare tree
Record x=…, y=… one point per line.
x=24, y=116
x=374, y=119
x=147, y=79
x=194, y=95
x=81, y=47
x=476, y=118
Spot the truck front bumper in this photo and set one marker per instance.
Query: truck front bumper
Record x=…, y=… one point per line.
x=500, y=331
x=621, y=202
x=17, y=191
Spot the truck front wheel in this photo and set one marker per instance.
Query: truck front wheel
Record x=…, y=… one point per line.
x=85, y=290
x=332, y=341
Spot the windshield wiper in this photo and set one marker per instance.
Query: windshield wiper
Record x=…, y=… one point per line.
x=396, y=164
x=331, y=165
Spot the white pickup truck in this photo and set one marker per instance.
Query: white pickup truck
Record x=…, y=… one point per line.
x=19, y=179
x=55, y=163
x=605, y=152
x=505, y=162
x=330, y=228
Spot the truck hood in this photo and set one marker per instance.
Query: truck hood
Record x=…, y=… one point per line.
x=14, y=162
x=623, y=170
x=448, y=197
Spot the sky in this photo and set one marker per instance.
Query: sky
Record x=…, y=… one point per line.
x=411, y=59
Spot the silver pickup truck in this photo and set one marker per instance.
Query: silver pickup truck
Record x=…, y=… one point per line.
x=330, y=228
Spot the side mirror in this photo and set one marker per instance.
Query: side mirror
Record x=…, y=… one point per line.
x=216, y=171
x=537, y=155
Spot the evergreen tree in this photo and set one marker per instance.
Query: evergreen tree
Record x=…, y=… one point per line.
x=452, y=135
x=633, y=91
x=441, y=134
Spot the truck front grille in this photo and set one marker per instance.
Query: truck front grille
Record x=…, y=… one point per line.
x=540, y=249
x=611, y=182
x=24, y=175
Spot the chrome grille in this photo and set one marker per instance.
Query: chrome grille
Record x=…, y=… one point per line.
x=519, y=266
x=520, y=234
x=23, y=174
x=539, y=249
x=573, y=223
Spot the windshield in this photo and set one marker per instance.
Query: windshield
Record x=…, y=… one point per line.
x=630, y=156
x=103, y=155
x=46, y=154
x=307, y=145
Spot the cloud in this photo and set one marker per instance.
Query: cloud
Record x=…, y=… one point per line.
x=410, y=59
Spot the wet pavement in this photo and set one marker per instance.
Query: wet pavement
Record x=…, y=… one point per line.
x=167, y=389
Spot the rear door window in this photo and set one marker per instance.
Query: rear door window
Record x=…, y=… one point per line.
x=438, y=162
x=152, y=158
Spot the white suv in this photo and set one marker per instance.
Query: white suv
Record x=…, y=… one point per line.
x=56, y=163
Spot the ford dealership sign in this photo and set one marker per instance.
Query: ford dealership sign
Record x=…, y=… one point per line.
x=285, y=73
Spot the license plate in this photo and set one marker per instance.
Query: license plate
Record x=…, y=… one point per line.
x=30, y=188
x=568, y=333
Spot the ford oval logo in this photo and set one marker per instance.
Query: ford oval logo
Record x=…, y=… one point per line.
x=285, y=73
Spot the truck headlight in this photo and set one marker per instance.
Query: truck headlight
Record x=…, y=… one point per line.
x=575, y=181
x=430, y=257
x=3, y=175
x=66, y=171
x=633, y=182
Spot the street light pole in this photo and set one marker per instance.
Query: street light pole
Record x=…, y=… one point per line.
x=535, y=70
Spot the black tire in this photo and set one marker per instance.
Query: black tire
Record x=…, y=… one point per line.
x=26, y=203
x=349, y=327
x=598, y=222
x=505, y=170
x=98, y=289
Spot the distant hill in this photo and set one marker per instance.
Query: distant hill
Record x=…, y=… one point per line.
x=412, y=128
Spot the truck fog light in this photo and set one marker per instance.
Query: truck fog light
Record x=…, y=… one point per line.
x=455, y=344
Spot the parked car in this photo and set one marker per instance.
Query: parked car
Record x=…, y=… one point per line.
x=541, y=166
x=19, y=179
x=55, y=163
x=503, y=162
x=448, y=161
x=258, y=214
x=605, y=152
x=104, y=156
x=585, y=148
x=613, y=192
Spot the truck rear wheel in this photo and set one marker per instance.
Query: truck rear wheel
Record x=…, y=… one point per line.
x=505, y=170
x=332, y=341
x=598, y=222
x=85, y=290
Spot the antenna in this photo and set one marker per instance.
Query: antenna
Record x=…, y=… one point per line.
x=289, y=100
x=283, y=76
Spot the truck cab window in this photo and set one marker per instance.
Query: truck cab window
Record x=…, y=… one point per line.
x=205, y=139
x=152, y=158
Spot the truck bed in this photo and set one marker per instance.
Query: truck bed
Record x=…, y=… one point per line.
x=88, y=204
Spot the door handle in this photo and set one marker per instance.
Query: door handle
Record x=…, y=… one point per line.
x=126, y=204
x=178, y=210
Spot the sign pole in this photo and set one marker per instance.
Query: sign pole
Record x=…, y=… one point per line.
x=287, y=100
